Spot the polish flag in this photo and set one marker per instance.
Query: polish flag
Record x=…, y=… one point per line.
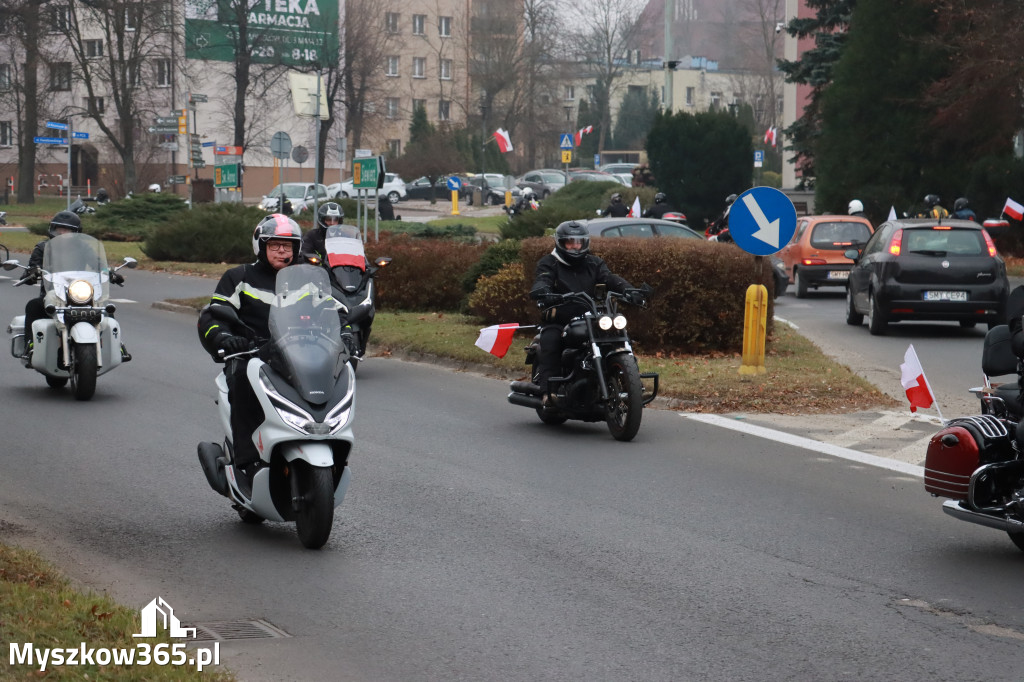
x=770, y=135
x=919, y=393
x=1013, y=209
x=504, y=141
x=634, y=212
x=578, y=137
x=497, y=338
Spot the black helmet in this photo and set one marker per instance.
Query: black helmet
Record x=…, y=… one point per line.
x=729, y=199
x=65, y=219
x=961, y=203
x=616, y=198
x=275, y=226
x=659, y=198
x=931, y=200
x=572, y=230
x=329, y=210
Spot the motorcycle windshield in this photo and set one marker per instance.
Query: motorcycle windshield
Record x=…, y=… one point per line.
x=305, y=332
x=344, y=246
x=75, y=256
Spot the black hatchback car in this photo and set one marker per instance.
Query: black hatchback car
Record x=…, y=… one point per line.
x=927, y=269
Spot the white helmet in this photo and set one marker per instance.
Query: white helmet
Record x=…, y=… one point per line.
x=154, y=187
x=855, y=207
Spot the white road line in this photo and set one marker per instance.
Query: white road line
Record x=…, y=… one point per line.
x=807, y=444
x=121, y=300
x=889, y=420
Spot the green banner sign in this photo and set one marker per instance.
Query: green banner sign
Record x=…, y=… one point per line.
x=225, y=175
x=291, y=32
x=368, y=173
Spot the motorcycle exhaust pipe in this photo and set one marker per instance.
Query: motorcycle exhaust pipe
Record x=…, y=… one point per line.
x=953, y=508
x=525, y=387
x=524, y=400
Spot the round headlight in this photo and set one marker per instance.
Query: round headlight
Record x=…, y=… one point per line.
x=604, y=322
x=619, y=321
x=80, y=292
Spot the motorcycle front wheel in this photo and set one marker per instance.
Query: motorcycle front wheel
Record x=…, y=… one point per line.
x=315, y=517
x=625, y=397
x=83, y=371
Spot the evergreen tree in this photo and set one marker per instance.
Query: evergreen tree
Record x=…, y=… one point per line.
x=699, y=159
x=420, y=128
x=636, y=115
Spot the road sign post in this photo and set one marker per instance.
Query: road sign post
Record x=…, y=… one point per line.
x=280, y=148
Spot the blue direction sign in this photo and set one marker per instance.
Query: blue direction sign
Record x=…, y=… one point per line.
x=56, y=125
x=50, y=140
x=209, y=144
x=566, y=141
x=762, y=221
x=80, y=136
x=454, y=183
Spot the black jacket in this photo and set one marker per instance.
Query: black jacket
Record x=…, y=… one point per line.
x=313, y=243
x=616, y=210
x=249, y=289
x=658, y=211
x=555, y=276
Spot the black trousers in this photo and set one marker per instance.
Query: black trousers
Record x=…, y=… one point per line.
x=34, y=310
x=549, y=358
x=246, y=412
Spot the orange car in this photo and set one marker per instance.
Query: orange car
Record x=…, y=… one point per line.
x=814, y=257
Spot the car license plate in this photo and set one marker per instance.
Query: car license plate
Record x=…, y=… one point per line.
x=945, y=295
x=839, y=274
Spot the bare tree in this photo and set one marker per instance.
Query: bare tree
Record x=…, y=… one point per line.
x=365, y=48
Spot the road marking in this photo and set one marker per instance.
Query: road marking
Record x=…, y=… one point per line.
x=767, y=231
x=121, y=300
x=889, y=421
x=807, y=444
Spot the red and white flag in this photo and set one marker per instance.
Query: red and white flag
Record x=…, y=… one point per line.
x=892, y=213
x=770, y=135
x=919, y=393
x=634, y=211
x=497, y=338
x=578, y=137
x=1013, y=209
x=504, y=141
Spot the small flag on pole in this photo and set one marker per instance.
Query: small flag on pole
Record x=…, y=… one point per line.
x=1013, y=209
x=770, y=135
x=578, y=137
x=497, y=338
x=634, y=212
x=919, y=393
x=504, y=141
x=892, y=213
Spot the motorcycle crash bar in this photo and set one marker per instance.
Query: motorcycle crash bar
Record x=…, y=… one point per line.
x=954, y=509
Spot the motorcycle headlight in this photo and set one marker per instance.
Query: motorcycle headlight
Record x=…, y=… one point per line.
x=604, y=322
x=80, y=292
x=619, y=321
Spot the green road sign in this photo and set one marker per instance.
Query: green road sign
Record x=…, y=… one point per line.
x=225, y=175
x=368, y=173
x=176, y=180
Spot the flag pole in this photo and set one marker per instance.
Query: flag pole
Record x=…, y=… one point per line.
x=935, y=399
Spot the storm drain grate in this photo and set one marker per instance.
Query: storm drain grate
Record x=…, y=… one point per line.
x=235, y=629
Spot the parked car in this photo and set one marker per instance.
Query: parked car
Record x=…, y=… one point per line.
x=927, y=269
x=638, y=227
x=617, y=168
x=494, y=185
x=543, y=182
x=814, y=256
x=299, y=194
x=394, y=188
x=421, y=188
x=576, y=175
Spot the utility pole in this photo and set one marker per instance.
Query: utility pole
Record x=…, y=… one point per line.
x=670, y=7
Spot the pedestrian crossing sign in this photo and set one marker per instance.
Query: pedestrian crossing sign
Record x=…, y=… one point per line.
x=566, y=141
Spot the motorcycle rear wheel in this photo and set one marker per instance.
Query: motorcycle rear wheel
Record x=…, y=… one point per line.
x=83, y=371
x=1018, y=539
x=625, y=397
x=315, y=517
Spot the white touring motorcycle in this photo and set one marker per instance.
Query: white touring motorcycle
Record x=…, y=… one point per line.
x=306, y=387
x=79, y=339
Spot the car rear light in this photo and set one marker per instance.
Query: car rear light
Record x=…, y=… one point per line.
x=814, y=261
x=896, y=243
x=989, y=243
x=942, y=227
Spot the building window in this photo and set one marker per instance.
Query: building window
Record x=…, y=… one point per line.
x=5, y=76
x=689, y=96
x=6, y=134
x=132, y=17
x=570, y=93
x=446, y=69
x=163, y=73
x=60, y=18
x=419, y=104
x=392, y=107
x=419, y=23
x=444, y=110
x=716, y=100
x=392, y=66
x=93, y=48
x=444, y=26
x=391, y=22
x=60, y=76
x=419, y=67
x=394, y=147
x=94, y=105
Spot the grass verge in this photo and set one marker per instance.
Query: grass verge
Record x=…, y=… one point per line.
x=38, y=605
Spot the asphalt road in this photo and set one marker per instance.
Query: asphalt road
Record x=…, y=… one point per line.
x=476, y=543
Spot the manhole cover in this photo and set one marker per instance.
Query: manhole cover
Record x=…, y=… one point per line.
x=235, y=629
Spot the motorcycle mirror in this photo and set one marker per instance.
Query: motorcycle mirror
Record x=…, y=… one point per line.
x=382, y=261
x=130, y=262
x=11, y=264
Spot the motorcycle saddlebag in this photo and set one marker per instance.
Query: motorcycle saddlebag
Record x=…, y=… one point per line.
x=956, y=452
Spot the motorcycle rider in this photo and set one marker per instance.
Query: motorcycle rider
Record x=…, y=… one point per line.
x=660, y=208
x=856, y=209
x=962, y=210
x=330, y=213
x=616, y=209
x=721, y=223
x=933, y=209
x=385, y=211
x=570, y=267
x=249, y=290
x=63, y=222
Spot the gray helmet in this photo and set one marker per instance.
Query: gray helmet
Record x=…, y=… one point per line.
x=329, y=210
x=616, y=198
x=931, y=200
x=961, y=203
x=572, y=230
x=65, y=219
x=659, y=198
x=729, y=199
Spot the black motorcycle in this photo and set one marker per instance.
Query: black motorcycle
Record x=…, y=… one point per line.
x=600, y=380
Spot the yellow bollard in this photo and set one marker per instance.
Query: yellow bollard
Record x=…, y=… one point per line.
x=755, y=326
x=455, y=202
x=508, y=198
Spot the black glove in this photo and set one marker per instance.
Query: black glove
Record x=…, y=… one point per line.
x=232, y=344
x=116, y=278
x=635, y=297
x=31, y=276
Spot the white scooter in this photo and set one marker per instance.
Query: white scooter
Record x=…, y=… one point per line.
x=79, y=339
x=306, y=386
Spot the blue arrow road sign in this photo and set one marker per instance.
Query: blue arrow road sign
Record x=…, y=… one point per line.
x=50, y=140
x=56, y=126
x=762, y=221
x=566, y=141
x=80, y=136
x=454, y=183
